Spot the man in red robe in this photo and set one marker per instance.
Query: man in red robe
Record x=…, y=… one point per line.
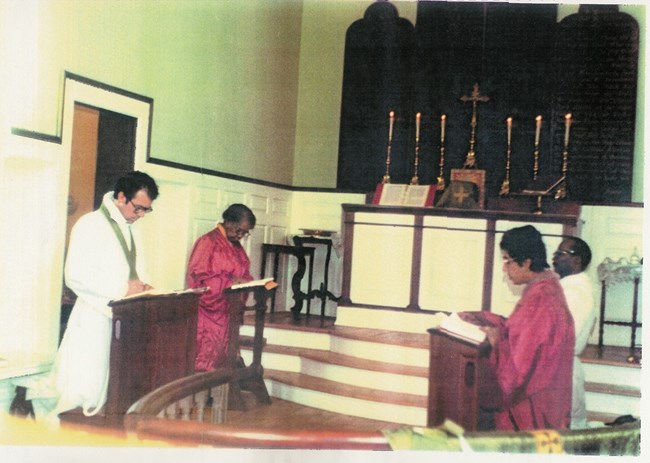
x=532, y=350
x=218, y=261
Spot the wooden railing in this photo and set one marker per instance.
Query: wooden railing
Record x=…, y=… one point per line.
x=178, y=413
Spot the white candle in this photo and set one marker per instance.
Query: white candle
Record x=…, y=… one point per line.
x=443, y=119
x=391, y=121
x=538, y=129
x=509, y=125
x=567, y=125
x=417, y=126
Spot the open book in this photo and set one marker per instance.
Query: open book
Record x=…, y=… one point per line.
x=162, y=292
x=393, y=194
x=268, y=283
x=459, y=328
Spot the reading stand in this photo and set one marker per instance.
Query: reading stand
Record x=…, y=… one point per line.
x=462, y=387
x=153, y=343
x=247, y=377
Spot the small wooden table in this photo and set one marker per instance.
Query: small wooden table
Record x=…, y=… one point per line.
x=301, y=253
x=322, y=293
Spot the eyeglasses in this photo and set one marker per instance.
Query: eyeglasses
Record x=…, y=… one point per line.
x=561, y=252
x=141, y=209
x=242, y=233
x=236, y=230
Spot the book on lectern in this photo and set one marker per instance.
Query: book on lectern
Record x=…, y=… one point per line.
x=162, y=292
x=393, y=194
x=459, y=328
x=268, y=283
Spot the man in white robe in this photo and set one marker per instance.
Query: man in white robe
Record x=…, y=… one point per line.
x=570, y=262
x=102, y=264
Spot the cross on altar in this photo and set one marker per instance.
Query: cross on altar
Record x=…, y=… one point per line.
x=475, y=98
x=460, y=194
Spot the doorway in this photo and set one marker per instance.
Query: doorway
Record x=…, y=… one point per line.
x=102, y=150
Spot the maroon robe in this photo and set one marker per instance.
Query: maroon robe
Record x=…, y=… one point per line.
x=217, y=263
x=533, y=359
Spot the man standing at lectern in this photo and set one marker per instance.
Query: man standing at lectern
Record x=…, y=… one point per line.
x=104, y=263
x=570, y=262
x=532, y=350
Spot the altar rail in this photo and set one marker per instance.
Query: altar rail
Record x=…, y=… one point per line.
x=144, y=422
x=437, y=259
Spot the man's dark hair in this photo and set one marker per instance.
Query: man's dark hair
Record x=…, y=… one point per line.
x=236, y=212
x=133, y=182
x=525, y=243
x=580, y=249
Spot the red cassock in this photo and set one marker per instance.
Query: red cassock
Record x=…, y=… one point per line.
x=217, y=263
x=533, y=359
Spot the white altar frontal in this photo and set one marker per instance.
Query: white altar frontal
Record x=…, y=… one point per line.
x=432, y=259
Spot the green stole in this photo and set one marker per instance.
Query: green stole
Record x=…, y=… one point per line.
x=130, y=254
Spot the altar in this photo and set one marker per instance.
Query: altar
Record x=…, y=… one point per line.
x=435, y=259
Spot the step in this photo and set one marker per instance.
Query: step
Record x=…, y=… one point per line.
x=345, y=369
x=340, y=358
x=405, y=321
x=610, y=365
x=613, y=399
x=408, y=409
x=370, y=344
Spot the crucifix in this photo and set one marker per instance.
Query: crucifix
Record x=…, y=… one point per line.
x=475, y=98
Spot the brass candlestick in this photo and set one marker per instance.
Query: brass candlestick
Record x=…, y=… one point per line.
x=415, y=179
x=562, y=190
x=505, y=185
x=475, y=98
x=538, y=120
x=440, y=183
x=391, y=121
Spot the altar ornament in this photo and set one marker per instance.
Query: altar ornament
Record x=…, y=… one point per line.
x=415, y=179
x=475, y=98
x=505, y=185
x=440, y=184
x=538, y=128
x=391, y=122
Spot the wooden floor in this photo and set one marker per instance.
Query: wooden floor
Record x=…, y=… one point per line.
x=282, y=414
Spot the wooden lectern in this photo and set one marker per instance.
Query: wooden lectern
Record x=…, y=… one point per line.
x=462, y=386
x=153, y=343
x=249, y=377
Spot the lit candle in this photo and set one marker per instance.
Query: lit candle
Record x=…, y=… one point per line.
x=443, y=119
x=567, y=124
x=391, y=121
x=509, y=124
x=417, y=126
x=538, y=129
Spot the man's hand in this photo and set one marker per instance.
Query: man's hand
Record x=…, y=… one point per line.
x=136, y=286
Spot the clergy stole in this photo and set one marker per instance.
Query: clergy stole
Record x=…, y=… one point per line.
x=130, y=254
